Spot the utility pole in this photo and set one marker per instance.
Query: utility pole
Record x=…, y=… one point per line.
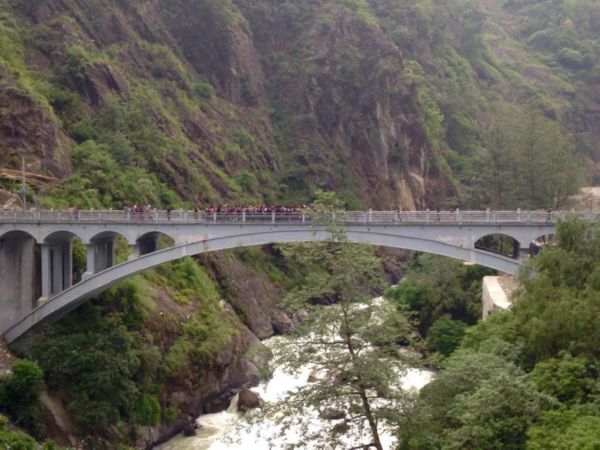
x=23, y=190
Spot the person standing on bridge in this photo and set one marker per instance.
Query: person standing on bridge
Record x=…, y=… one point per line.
x=549, y=216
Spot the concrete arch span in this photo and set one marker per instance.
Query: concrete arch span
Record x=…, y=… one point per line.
x=61, y=304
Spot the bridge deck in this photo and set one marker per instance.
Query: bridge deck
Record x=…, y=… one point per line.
x=309, y=217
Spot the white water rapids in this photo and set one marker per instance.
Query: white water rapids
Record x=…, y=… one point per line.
x=229, y=431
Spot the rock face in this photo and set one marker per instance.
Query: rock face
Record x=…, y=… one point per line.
x=306, y=104
x=332, y=414
x=9, y=201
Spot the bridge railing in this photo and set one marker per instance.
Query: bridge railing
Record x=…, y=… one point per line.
x=305, y=217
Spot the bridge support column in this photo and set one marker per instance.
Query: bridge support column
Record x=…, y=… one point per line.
x=18, y=278
x=61, y=266
x=100, y=256
x=104, y=254
x=134, y=252
x=46, y=269
x=91, y=256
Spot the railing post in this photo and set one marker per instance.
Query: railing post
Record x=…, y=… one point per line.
x=458, y=217
x=185, y=216
x=494, y=217
x=370, y=215
x=427, y=214
x=303, y=218
x=518, y=214
x=528, y=216
x=244, y=215
x=487, y=215
x=128, y=217
x=273, y=217
x=215, y=217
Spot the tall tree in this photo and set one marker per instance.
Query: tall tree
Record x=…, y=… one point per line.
x=350, y=345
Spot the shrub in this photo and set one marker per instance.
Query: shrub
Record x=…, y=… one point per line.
x=21, y=391
x=573, y=59
x=147, y=410
x=203, y=90
x=445, y=335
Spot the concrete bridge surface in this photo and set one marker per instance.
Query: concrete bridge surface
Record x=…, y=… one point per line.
x=36, y=247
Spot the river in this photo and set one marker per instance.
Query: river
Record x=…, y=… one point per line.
x=229, y=431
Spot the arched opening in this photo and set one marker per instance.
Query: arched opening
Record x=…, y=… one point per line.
x=119, y=244
x=500, y=244
x=62, y=262
x=153, y=241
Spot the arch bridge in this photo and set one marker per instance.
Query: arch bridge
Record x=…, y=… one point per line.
x=36, y=247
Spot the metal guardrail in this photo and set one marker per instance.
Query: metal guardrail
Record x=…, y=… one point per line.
x=306, y=217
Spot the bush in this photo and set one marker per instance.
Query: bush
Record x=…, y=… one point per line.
x=21, y=390
x=16, y=440
x=147, y=410
x=573, y=59
x=203, y=90
x=446, y=334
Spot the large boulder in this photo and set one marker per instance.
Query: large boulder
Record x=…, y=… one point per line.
x=248, y=400
x=332, y=414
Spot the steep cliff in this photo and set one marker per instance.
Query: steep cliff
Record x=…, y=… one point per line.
x=285, y=96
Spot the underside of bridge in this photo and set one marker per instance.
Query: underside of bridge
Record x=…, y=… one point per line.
x=61, y=297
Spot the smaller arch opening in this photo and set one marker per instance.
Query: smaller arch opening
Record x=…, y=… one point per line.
x=66, y=256
x=153, y=241
x=119, y=242
x=16, y=234
x=500, y=244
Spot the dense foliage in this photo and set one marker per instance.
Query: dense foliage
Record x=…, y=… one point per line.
x=441, y=289
x=112, y=371
x=19, y=392
x=525, y=378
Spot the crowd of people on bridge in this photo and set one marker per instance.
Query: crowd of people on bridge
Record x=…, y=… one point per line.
x=141, y=212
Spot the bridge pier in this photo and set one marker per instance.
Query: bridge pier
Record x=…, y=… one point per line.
x=56, y=267
x=134, y=252
x=100, y=256
x=18, y=277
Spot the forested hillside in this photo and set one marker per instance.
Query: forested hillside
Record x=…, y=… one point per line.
x=184, y=103
x=392, y=103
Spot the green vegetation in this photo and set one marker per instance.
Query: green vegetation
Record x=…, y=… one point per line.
x=525, y=378
x=113, y=371
x=441, y=289
x=20, y=391
x=567, y=32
